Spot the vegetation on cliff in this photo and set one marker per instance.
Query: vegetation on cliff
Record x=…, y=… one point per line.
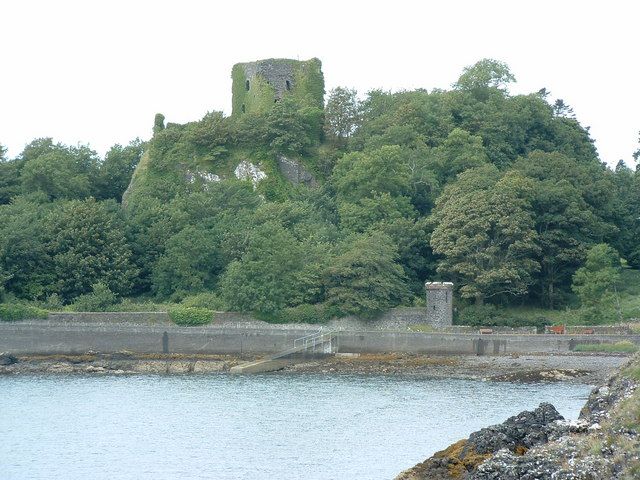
x=502, y=194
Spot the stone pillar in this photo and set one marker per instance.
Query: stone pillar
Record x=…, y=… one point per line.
x=439, y=303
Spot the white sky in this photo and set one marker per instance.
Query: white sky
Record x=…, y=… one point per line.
x=97, y=72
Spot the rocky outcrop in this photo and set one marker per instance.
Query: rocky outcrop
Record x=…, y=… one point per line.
x=204, y=177
x=603, y=444
x=117, y=363
x=517, y=435
x=7, y=359
x=295, y=172
x=248, y=171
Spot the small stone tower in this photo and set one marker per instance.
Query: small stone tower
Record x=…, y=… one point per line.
x=439, y=303
x=258, y=85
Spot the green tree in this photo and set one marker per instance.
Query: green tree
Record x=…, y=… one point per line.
x=485, y=233
x=9, y=176
x=596, y=283
x=86, y=243
x=364, y=279
x=565, y=223
x=291, y=129
x=368, y=213
x=364, y=174
x=627, y=216
x=100, y=299
x=342, y=114
x=484, y=75
x=459, y=152
x=57, y=171
x=23, y=255
x=114, y=173
x=189, y=264
x=264, y=279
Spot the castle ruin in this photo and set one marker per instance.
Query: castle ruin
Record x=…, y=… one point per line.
x=258, y=85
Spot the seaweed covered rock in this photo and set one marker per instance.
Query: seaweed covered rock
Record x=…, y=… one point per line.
x=516, y=435
x=604, y=443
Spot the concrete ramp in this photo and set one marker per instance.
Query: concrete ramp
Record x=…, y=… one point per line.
x=317, y=343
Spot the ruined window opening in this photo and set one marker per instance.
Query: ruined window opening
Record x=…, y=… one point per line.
x=246, y=85
x=288, y=85
x=243, y=108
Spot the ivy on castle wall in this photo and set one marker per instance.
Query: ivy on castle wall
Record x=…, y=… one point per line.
x=258, y=99
x=307, y=89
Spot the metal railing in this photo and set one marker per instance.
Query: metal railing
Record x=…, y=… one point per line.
x=313, y=340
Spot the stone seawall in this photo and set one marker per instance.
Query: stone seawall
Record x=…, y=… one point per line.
x=396, y=319
x=51, y=337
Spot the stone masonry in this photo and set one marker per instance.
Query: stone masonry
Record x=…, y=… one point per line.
x=439, y=303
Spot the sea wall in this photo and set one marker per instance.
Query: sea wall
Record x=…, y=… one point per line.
x=51, y=337
x=396, y=319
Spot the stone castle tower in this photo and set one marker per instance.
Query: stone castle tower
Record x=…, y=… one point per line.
x=258, y=85
x=439, y=303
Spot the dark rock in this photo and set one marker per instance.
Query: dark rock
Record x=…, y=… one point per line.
x=515, y=436
x=7, y=359
x=520, y=432
x=295, y=172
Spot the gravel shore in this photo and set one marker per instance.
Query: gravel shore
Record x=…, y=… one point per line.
x=577, y=368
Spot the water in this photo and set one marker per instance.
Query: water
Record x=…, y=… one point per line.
x=247, y=427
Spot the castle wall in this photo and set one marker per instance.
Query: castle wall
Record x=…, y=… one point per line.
x=258, y=85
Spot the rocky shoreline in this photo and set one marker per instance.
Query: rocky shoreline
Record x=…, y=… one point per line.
x=578, y=368
x=604, y=443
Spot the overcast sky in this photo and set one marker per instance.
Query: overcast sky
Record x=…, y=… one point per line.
x=97, y=72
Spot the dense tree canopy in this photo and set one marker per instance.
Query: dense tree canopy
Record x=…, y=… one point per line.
x=502, y=194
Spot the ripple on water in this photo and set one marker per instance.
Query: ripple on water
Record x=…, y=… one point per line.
x=254, y=427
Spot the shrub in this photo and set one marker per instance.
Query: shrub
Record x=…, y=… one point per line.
x=53, y=302
x=204, y=300
x=101, y=299
x=305, y=313
x=190, y=316
x=480, y=315
x=10, y=312
x=492, y=316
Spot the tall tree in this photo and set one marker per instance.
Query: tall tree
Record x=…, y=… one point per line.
x=596, y=283
x=342, y=114
x=565, y=223
x=58, y=171
x=264, y=279
x=459, y=152
x=364, y=174
x=364, y=279
x=483, y=76
x=86, y=243
x=9, y=176
x=485, y=233
x=114, y=173
x=189, y=264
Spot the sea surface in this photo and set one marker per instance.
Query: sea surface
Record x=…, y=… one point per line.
x=272, y=426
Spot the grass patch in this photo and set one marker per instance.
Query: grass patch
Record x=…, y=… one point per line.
x=13, y=312
x=421, y=327
x=624, y=346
